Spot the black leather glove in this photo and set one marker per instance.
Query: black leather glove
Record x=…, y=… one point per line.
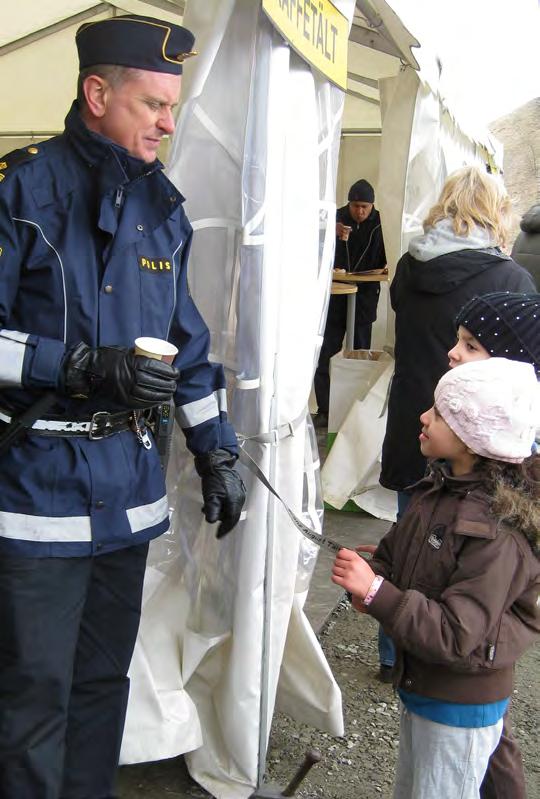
x=223, y=489
x=117, y=374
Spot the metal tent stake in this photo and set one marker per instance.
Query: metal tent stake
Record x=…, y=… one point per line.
x=274, y=792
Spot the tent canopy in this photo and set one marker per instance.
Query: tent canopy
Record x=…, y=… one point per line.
x=38, y=37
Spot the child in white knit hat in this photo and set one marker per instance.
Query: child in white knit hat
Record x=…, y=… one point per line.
x=456, y=582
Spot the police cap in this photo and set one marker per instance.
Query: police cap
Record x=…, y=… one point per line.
x=134, y=41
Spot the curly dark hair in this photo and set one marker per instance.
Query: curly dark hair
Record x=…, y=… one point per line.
x=515, y=492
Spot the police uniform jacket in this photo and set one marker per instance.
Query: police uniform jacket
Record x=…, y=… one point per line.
x=93, y=247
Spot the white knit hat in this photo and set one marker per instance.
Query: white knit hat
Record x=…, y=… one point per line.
x=493, y=406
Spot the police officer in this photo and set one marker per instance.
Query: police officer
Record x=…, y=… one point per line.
x=94, y=245
x=359, y=247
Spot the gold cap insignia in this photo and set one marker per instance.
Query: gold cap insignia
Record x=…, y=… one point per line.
x=181, y=57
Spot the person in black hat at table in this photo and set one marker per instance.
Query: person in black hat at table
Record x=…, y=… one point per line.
x=359, y=247
x=94, y=247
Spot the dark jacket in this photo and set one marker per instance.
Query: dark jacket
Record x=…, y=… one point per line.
x=426, y=296
x=461, y=598
x=526, y=249
x=363, y=250
x=93, y=247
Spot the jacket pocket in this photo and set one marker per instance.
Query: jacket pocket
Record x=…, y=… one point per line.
x=513, y=638
x=157, y=276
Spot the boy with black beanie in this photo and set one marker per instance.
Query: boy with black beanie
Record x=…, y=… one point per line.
x=501, y=324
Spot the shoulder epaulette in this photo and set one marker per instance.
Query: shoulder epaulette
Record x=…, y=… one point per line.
x=15, y=158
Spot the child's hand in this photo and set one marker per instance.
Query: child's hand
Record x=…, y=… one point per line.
x=352, y=572
x=368, y=548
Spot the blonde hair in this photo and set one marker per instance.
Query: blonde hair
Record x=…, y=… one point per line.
x=472, y=197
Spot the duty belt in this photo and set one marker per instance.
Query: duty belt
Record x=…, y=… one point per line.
x=102, y=424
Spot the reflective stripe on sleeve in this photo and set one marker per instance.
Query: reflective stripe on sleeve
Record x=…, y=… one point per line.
x=221, y=396
x=199, y=411
x=12, y=349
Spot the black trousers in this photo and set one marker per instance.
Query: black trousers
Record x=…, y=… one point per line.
x=67, y=632
x=334, y=332
x=505, y=778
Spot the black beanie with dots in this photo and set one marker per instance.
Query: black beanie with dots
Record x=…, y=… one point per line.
x=506, y=324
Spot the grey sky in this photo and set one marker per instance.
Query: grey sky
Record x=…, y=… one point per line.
x=488, y=48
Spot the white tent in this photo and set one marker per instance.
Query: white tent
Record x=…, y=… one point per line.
x=224, y=638
x=246, y=645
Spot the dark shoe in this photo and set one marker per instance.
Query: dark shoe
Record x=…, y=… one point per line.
x=320, y=421
x=386, y=674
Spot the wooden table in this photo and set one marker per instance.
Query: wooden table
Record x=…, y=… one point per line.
x=350, y=291
x=359, y=277
x=348, y=281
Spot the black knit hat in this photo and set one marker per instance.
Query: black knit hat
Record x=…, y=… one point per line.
x=506, y=324
x=361, y=192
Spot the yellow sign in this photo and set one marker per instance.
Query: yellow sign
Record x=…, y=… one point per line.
x=317, y=31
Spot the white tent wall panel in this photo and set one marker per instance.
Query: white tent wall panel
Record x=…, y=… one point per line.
x=261, y=198
x=398, y=101
x=30, y=16
x=163, y=10
x=438, y=147
x=43, y=109
x=371, y=63
x=358, y=113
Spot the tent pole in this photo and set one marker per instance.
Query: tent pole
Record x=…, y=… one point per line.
x=267, y=593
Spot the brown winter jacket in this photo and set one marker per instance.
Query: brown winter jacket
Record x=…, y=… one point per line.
x=461, y=598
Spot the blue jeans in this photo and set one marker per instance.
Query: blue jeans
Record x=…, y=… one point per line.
x=403, y=499
x=387, y=651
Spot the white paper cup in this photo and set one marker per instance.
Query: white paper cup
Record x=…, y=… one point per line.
x=155, y=348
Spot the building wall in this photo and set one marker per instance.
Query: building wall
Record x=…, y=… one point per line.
x=519, y=132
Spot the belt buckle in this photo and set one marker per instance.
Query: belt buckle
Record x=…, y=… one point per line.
x=100, y=425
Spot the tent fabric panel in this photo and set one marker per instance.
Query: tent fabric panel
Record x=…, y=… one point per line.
x=33, y=104
x=28, y=16
x=262, y=253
